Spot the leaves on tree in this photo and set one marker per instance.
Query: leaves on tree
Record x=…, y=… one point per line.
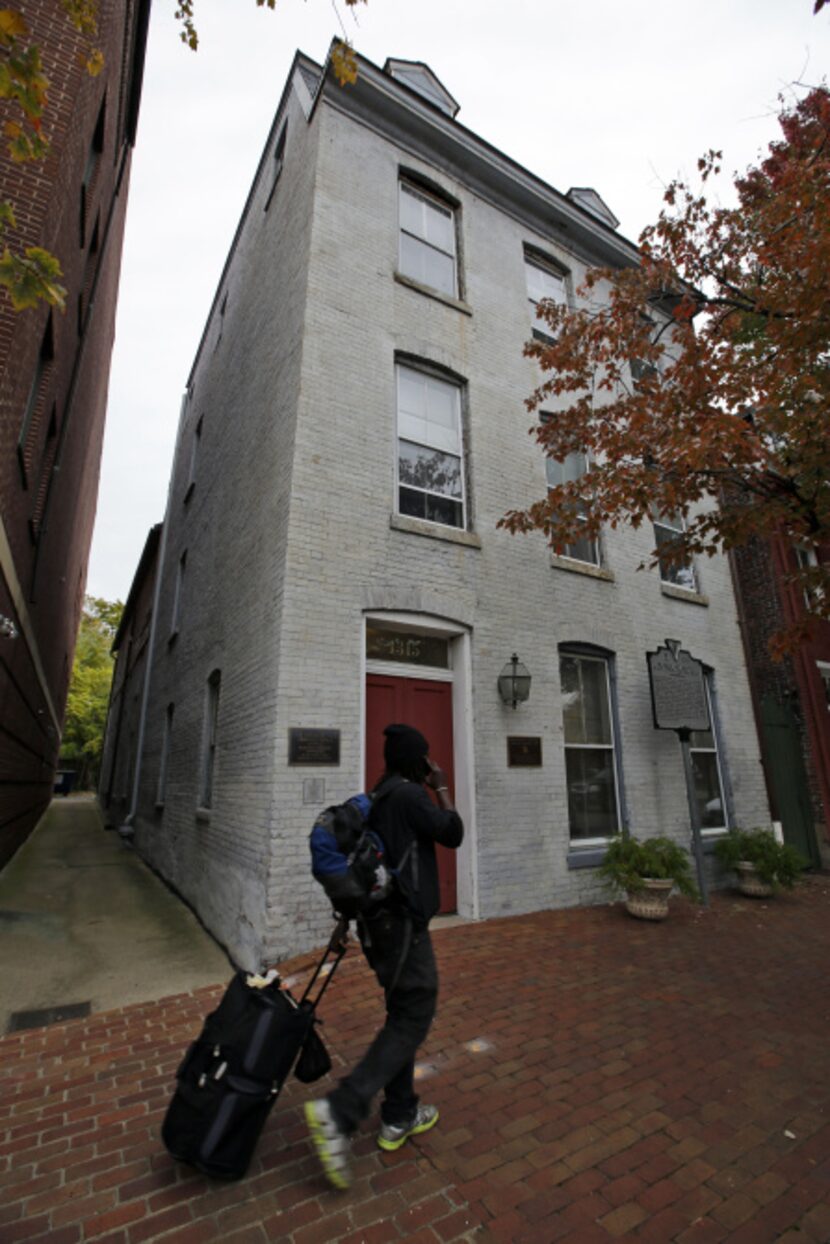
x=698, y=383
x=89, y=688
x=344, y=63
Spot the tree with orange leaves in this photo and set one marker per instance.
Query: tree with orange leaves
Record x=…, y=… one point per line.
x=698, y=383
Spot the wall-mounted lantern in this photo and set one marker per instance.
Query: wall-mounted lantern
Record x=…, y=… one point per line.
x=514, y=682
x=8, y=630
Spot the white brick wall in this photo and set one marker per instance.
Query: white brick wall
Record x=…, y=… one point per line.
x=289, y=539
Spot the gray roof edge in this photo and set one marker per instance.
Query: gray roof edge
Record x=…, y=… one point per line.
x=147, y=553
x=449, y=133
x=300, y=59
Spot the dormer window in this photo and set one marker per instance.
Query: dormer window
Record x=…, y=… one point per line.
x=419, y=77
x=592, y=202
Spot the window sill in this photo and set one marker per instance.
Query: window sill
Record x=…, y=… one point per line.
x=578, y=567
x=585, y=857
x=420, y=527
x=448, y=301
x=684, y=593
x=203, y=814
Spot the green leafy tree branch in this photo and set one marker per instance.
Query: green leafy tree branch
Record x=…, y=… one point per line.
x=89, y=688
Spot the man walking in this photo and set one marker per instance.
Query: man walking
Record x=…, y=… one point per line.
x=397, y=944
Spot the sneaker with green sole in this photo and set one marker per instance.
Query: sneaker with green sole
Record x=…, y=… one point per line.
x=391, y=1137
x=331, y=1143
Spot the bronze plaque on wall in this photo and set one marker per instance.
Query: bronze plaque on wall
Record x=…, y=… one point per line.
x=313, y=747
x=524, y=750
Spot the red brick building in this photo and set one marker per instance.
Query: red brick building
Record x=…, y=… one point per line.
x=791, y=697
x=54, y=373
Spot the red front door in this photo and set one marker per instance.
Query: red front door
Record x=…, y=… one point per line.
x=426, y=705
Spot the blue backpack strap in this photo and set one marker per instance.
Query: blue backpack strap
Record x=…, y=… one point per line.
x=363, y=803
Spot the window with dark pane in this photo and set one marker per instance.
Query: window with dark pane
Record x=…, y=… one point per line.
x=430, y=457
x=706, y=768
x=584, y=548
x=211, y=734
x=544, y=282
x=590, y=760
x=667, y=529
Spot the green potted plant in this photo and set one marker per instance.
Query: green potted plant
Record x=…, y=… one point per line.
x=763, y=864
x=648, y=869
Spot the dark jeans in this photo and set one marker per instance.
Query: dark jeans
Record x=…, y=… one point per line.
x=389, y=1062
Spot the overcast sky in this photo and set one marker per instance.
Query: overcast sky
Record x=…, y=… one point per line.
x=621, y=95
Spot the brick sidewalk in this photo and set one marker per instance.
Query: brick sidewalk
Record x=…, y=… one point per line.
x=599, y=1079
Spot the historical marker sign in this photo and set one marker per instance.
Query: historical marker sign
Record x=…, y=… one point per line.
x=679, y=702
x=313, y=747
x=678, y=689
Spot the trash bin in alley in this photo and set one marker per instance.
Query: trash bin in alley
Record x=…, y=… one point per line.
x=64, y=781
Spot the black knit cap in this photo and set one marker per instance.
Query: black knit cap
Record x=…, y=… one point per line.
x=404, y=747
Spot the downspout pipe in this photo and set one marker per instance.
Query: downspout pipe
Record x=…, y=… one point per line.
x=127, y=828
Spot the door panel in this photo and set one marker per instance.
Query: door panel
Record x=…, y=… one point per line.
x=426, y=705
x=788, y=778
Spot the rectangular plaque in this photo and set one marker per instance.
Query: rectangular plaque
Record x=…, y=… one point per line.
x=678, y=689
x=314, y=791
x=524, y=751
x=313, y=747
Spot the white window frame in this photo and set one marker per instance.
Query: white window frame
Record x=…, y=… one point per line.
x=714, y=749
x=667, y=522
x=207, y=776
x=558, y=293
x=552, y=465
x=605, y=662
x=430, y=202
x=400, y=368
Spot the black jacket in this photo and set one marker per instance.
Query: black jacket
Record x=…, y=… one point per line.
x=403, y=814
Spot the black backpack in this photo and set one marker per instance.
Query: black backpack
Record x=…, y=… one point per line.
x=349, y=859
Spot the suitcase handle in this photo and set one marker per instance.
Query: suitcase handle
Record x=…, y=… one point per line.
x=338, y=943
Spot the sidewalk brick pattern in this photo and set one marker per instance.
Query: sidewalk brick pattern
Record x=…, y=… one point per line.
x=599, y=1079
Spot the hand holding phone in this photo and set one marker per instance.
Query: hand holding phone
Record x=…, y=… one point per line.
x=436, y=777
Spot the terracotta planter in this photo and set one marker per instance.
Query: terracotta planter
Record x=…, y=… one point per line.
x=652, y=902
x=750, y=883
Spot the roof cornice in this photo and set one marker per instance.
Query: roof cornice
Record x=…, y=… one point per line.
x=388, y=106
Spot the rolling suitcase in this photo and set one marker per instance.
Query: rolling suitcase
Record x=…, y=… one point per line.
x=232, y=1074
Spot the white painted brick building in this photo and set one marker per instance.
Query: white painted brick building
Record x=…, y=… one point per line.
x=354, y=427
